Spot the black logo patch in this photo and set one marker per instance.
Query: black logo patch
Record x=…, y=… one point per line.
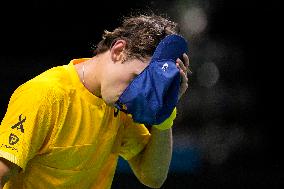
x=13, y=139
x=19, y=125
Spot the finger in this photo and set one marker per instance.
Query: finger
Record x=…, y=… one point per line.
x=177, y=64
x=186, y=63
x=181, y=65
x=184, y=82
x=184, y=78
x=189, y=71
x=185, y=60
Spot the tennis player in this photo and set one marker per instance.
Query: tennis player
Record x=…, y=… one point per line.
x=66, y=128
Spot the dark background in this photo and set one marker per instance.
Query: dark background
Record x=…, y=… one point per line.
x=228, y=134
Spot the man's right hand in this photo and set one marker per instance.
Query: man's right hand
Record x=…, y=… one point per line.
x=7, y=169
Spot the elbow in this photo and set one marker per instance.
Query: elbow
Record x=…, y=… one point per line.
x=155, y=184
x=153, y=181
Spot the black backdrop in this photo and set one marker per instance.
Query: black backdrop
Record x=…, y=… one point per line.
x=37, y=35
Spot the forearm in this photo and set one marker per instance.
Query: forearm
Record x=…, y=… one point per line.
x=152, y=165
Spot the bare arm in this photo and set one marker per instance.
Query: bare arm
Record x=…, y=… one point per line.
x=152, y=165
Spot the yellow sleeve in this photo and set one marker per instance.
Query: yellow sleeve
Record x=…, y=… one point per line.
x=29, y=119
x=135, y=138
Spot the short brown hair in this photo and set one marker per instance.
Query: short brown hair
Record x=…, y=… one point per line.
x=142, y=34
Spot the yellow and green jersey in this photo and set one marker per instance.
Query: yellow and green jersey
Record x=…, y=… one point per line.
x=64, y=137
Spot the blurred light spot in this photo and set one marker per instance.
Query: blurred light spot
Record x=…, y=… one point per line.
x=194, y=20
x=208, y=74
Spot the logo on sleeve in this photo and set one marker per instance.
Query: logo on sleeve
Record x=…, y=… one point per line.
x=19, y=125
x=13, y=139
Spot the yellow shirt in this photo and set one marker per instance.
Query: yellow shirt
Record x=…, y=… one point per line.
x=64, y=137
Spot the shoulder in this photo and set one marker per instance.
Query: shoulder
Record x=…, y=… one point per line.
x=46, y=86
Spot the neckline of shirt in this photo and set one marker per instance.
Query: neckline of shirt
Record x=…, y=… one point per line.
x=93, y=99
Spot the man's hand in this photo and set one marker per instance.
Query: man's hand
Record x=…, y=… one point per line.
x=183, y=67
x=4, y=170
x=7, y=170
